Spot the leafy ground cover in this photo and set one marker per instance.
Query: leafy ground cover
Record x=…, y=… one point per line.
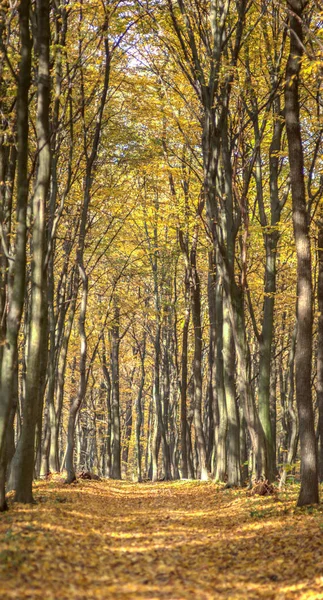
x=120, y=540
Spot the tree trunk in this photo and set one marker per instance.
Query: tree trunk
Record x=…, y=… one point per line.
x=233, y=423
x=9, y=358
x=197, y=363
x=184, y=466
x=292, y=416
x=222, y=417
x=107, y=385
x=139, y=410
x=303, y=360
x=55, y=417
x=320, y=345
x=115, y=397
x=213, y=357
x=69, y=454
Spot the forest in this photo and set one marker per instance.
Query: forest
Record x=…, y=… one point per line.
x=161, y=299
x=161, y=268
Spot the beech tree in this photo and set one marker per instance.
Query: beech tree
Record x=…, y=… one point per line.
x=303, y=357
x=160, y=219
x=17, y=292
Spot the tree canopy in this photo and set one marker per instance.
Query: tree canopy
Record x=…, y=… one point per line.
x=161, y=226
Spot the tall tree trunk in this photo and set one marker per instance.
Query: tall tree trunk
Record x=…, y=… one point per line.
x=139, y=408
x=9, y=359
x=233, y=422
x=165, y=396
x=69, y=454
x=197, y=363
x=56, y=416
x=320, y=345
x=127, y=435
x=232, y=419
x=25, y=450
x=213, y=356
x=222, y=417
x=184, y=465
x=42, y=387
x=107, y=385
x=115, y=397
x=8, y=168
x=309, y=493
x=292, y=416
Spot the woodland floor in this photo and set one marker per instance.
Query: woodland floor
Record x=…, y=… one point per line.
x=120, y=540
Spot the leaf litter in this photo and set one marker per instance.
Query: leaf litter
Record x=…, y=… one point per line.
x=172, y=540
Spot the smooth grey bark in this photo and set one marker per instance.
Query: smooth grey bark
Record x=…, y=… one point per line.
x=189, y=256
x=153, y=469
x=184, y=374
x=50, y=407
x=265, y=366
x=212, y=382
x=190, y=416
x=159, y=434
x=68, y=461
x=243, y=448
x=43, y=367
x=319, y=385
x=174, y=429
x=273, y=406
x=25, y=450
x=8, y=161
x=233, y=422
x=76, y=402
x=158, y=428
x=18, y=274
x=149, y=441
x=292, y=428
x=183, y=241
x=309, y=493
x=127, y=434
x=107, y=385
x=165, y=392
x=195, y=292
x=222, y=417
x=115, y=395
x=229, y=233
x=283, y=385
x=139, y=408
x=55, y=415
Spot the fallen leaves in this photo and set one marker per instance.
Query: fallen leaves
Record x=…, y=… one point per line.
x=180, y=540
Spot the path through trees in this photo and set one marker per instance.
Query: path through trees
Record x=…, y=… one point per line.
x=175, y=540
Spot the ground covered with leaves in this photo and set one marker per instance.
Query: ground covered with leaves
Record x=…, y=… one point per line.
x=120, y=540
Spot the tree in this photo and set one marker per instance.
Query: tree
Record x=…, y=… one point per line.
x=10, y=352
x=303, y=359
x=37, y=340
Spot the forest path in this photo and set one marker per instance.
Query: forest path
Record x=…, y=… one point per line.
x=120, y=540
